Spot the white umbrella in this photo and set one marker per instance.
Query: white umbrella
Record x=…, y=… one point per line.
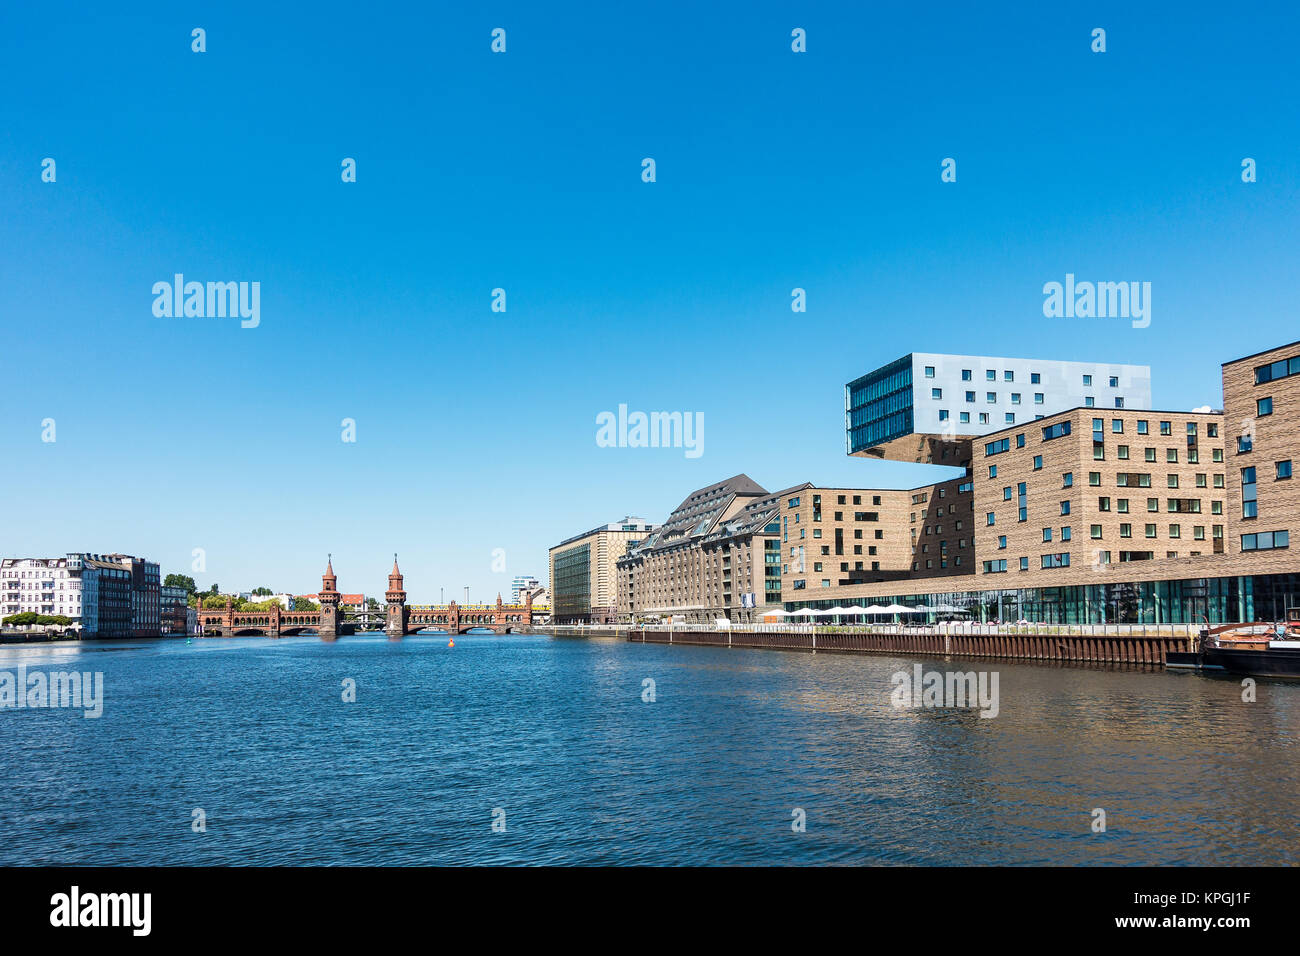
x=896, y=609
x=857, y=609
x=806, y=610
x=874, y=609
x=781, y=612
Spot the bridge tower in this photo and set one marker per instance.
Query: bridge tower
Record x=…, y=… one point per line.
x=396, y=598
x=329, y=602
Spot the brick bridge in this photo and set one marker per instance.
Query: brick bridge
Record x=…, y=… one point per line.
x=403, y=619
x=400, y=619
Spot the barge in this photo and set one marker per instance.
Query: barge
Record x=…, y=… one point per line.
x=1254, y=650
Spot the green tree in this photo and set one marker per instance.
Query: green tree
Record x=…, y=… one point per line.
x=18, y=620
x=262, y=591
x=302, y=604
x=180, y=581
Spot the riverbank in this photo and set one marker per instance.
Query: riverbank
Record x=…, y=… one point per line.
x=1148, y=644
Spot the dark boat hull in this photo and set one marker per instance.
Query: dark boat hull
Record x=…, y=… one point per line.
x=1273, y=662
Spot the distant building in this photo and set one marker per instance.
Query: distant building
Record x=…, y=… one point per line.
x=49, y=586
x=129, y=598
x=583, y=573
x=541, y=596
x=520, y=584
x=285, y=600
x=347, y=602
x=109, y=595
x=173, y=611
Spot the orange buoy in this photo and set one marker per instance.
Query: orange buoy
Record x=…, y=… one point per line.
x=451, y=643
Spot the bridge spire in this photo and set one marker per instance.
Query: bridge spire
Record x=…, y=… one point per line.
x=395, y=598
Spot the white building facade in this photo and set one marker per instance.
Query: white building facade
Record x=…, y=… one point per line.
x=49, y=586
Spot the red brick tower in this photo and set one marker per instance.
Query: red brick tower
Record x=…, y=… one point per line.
x=329, y=602
x=395, y=597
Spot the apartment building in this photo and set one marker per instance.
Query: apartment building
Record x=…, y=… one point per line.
x=583, y=572
x=731, y=549
x=1261, y=399
x=129, y=602
x=907, y=410
x=50, y=586
x=1083, y=489
x=1103, y=511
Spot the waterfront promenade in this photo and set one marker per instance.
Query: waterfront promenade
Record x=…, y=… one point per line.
x=1073, y=643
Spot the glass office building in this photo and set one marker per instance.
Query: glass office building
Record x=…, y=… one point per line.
x=935, y=394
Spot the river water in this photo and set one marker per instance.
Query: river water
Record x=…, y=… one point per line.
x=554, y=739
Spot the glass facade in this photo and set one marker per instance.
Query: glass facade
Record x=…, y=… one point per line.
x=1194, y=601
x=878, y=406
x=571, y=589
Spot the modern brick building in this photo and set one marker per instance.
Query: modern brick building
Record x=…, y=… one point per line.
x=1093, y=513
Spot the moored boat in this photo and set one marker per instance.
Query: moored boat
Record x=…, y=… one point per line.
x=1256, y=650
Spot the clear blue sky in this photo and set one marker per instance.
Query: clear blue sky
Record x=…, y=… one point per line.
x=476, y=430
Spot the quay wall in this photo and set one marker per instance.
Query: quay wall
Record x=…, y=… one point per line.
x=1134, y=646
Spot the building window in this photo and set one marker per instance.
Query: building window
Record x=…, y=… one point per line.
x=1249, y=498
x=965, y=375
x=1087, y=381
x=936, y=393
x=1263, y=406
x=1265, y=541
x=1284, y=469
x=929, y=371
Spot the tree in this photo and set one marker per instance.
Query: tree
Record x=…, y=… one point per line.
x=302, y=604
x=214, y=590
x=19, y=620
x=262, y=591
x=180, y=581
